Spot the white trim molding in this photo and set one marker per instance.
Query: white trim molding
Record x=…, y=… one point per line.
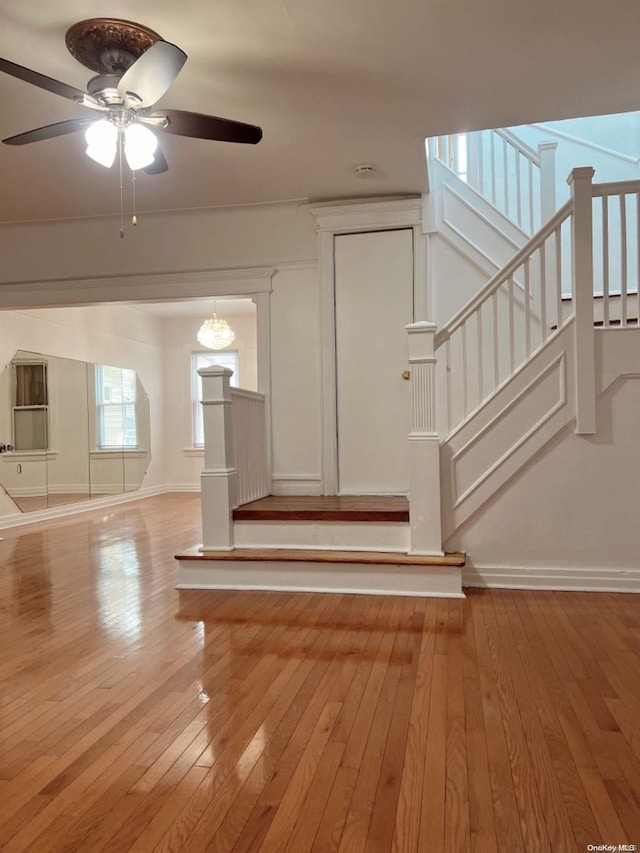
x=368, y=215
x=567, y=578
x=138, y=287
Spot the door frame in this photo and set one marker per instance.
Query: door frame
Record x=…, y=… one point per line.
x=353, y=218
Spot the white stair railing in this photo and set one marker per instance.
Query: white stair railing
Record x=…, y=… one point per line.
x=616, y=237
x=518, y=181
x=583, y=263
x=506, y=323
x=248, y=424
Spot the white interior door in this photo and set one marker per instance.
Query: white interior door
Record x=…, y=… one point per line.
x=374, y=303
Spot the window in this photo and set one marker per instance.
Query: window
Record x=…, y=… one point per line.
x=116, y=407
x=228, y=359
x=30, y=406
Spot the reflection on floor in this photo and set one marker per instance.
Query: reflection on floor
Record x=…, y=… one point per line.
x=136, y=718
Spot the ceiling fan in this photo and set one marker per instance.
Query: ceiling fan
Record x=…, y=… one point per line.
x=135, y=67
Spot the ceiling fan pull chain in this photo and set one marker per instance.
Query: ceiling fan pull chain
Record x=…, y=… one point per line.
x=121, y=188
x=134, y=218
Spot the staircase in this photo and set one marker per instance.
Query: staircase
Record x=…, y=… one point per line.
x=514, y=367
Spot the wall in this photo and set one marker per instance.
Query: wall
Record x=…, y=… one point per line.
x=569, y=517
x=455, y=279
x=114, y=335
x=296, y=389
x=73, y=262
x=162, y=242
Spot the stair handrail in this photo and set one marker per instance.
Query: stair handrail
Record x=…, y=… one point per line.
x=519, y=145
x=503, y=274
x=615, y=188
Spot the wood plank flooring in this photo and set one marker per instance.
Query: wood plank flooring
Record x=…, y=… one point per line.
x=134, y=718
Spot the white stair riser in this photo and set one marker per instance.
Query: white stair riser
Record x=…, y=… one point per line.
x=362, y=579
x=332, y=535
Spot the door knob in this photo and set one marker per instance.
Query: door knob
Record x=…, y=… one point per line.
x=406, y=374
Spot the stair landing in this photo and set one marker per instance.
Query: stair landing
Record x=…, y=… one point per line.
x=373, y=508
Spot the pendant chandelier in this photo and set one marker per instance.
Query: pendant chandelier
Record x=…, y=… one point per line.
x=215, y=333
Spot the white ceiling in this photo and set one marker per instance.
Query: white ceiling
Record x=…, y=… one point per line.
x=333, y=84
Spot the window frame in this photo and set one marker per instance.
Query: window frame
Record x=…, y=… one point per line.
x=209, y=359
x=101, y=407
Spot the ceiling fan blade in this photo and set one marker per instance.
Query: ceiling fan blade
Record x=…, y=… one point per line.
x=42, y=81
x=151, y=74
x=159, y=165
x=184, y=123
x=49, y=131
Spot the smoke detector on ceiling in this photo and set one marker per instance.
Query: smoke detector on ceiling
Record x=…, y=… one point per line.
x=365, y=171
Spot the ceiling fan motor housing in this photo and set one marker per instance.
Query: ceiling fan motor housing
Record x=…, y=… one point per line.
x=104, y=87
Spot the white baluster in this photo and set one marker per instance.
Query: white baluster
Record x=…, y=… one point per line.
x=496, y=340
x=605, y=260
x=527, y=309
x=638, y=259
x=582, y=255
x=623, y=260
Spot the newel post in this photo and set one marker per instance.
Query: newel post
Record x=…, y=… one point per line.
x=424, y=445
x=580, y=181
x=547, y=157
x=219, y=476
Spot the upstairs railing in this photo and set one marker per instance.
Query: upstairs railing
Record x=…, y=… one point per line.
x=583, y=264
x=616, y=241
x=515, y=179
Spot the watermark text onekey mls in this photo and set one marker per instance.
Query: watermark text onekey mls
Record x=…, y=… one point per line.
x=612, y=848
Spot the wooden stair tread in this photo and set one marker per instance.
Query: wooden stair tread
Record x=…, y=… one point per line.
x=367, y=508
x=291, y=555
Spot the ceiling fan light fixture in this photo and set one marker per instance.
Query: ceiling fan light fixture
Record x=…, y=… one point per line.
x=140, y=145
x=102, y=142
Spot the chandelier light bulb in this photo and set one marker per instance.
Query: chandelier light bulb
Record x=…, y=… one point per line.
x=102, y=142
x=140, y=146
x=216, y=334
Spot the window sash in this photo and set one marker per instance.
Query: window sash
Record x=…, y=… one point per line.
x=229, y=359
x=116, y=407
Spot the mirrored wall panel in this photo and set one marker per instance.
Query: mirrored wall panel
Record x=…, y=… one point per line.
x=70, y=431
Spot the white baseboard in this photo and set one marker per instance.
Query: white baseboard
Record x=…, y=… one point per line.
x=183, y=487
x=19, y=518
x=568, y=578
x=302, y=485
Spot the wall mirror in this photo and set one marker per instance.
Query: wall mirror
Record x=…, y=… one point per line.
x=70, y=431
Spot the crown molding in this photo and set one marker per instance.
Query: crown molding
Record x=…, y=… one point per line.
x=368, y=215
x=137, y=287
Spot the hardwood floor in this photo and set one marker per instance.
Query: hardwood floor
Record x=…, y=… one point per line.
x=134, y=718
x=373, y=508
